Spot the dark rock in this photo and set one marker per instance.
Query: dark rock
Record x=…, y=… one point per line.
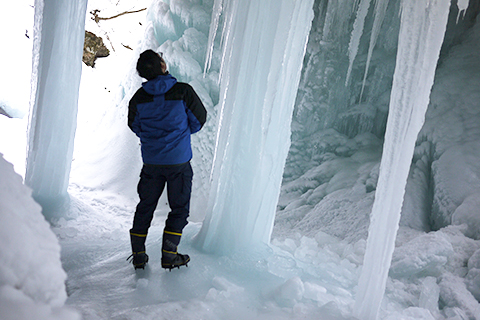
x=3, y=112
x=93, y=48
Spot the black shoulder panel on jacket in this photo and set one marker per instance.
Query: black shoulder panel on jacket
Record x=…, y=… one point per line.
x=184, y=91
x=141, y=96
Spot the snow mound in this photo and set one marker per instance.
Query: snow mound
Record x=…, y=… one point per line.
x=32, y=281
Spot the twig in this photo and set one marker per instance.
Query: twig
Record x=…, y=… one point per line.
x=97, y=18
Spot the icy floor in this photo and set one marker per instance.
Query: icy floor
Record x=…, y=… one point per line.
x=298, y=281
x=297, y=277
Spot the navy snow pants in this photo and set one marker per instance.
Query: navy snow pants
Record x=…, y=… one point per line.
x=178, y=179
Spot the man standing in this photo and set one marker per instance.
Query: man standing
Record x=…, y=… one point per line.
x=163, y=113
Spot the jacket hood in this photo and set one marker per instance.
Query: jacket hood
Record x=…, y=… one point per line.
x=159, y=85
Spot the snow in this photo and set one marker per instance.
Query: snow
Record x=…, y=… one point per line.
x=31, y=276
x=15, y=148
x=15, y=90
x=312, y=266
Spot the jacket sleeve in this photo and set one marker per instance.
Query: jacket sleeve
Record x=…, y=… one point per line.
x=133, y=121
x=197, y=114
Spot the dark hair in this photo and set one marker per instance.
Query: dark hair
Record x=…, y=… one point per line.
x=149, y=65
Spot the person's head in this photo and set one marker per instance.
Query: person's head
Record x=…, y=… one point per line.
x=150, y=65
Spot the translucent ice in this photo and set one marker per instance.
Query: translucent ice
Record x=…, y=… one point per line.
x=421, y=36
x=290, y=292
x=264, y=45
x=462, y=7
x=430, y=295
x=380, y=10
x=59, y=31
x=357, y=34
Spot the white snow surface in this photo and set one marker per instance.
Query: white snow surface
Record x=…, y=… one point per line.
x=312, y=267
x=16, y=63
x=32, y=280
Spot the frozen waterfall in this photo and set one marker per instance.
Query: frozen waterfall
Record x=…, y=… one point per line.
x=264, y=45
x=422, y=30
x=59, y=30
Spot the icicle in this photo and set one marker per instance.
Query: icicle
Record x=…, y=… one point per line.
x=227, y=32
x=329, y=18
x=217, y=11
x=355, y=4
x=421, y=35
x=462, y=6
x=356, y=35
x=228, y=8
x=380, y=10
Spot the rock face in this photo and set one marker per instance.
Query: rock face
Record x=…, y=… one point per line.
x=3, y=112
x=93, y=48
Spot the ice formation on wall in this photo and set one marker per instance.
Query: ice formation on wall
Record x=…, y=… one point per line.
x=59, y=31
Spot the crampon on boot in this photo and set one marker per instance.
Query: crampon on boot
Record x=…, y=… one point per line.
x=139, y=257
x=175, y=262
x=139, y=260
x=170, y=257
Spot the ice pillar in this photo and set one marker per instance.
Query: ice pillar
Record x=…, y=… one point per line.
x=422, y=29
x=59, y=31
x=264, y=45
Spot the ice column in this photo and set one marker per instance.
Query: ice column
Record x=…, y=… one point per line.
x=422, y=29
x=59, y=31
x=264, y=45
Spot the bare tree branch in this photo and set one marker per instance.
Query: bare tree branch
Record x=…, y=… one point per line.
x=97, y=18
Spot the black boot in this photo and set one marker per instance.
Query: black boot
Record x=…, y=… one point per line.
x=170, y=257
x=139, y=256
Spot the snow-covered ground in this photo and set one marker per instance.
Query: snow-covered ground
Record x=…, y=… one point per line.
x=312, y=267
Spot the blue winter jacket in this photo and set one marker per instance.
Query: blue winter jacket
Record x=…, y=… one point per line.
x=163, y=114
